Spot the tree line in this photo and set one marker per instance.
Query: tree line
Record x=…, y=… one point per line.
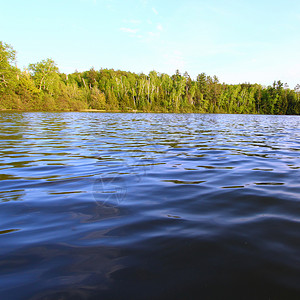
x=41, y=87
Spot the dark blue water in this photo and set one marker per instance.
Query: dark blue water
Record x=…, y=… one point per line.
x=149, y=206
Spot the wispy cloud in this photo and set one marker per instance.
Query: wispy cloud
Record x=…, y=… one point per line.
x=129, y=30
x=154, y=10
x=153, y=34
x=156, y=32
x=159, y=27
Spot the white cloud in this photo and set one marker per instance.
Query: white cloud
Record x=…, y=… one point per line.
x=154, y=10
x=152, y=33
x=159, y=27
x=129, y=30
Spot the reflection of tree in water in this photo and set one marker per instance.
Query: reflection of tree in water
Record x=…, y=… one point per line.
x=6, y=196
x=12, y=154
x=8, y=231
x=132, y=145
x=11, y=133
x=27, y=140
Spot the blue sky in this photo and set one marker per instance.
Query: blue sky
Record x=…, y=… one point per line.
x=239, y=41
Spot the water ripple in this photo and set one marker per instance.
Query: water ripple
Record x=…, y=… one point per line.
x=149, y=206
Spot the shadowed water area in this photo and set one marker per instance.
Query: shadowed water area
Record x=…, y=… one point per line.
x=149, y=206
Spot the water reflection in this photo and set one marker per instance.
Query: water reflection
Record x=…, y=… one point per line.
x=8, y=231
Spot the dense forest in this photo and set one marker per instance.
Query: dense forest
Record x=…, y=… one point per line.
x=41, y=87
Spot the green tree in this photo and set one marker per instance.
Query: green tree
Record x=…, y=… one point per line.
x=46, y=77
x=97, y=99
x=9, y=74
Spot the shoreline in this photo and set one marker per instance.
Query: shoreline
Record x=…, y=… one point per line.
x=135, y=111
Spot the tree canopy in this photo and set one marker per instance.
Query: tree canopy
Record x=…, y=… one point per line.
x=42, y=87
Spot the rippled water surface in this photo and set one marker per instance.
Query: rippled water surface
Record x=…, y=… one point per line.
x=149, y=206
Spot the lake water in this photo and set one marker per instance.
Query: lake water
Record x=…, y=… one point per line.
x=149, y=206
